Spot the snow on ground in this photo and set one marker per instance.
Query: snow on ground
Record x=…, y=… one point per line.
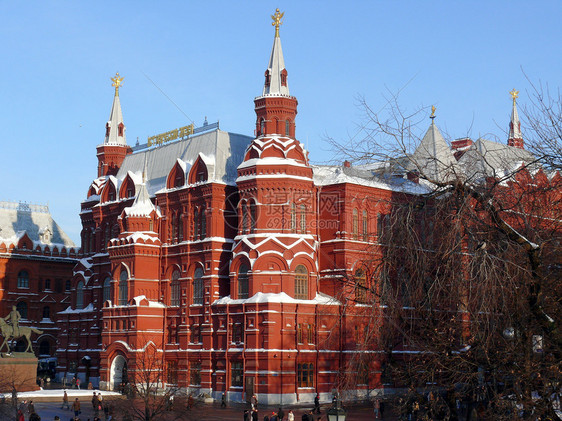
x=54, y=393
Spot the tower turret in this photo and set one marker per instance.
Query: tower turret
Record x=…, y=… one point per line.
x=114, y=148
x=515, y=138
x=276, y=109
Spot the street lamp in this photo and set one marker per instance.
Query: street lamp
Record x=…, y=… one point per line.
x=336, y=412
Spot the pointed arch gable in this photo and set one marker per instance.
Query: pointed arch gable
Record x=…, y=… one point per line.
x=109, y=191
x=128, y=188
x=176, y=176
x=199, y=171
x=273, y=151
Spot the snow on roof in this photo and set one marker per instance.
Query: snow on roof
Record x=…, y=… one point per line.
x=491, y=159
x=325, y=175
x=282, y=297
x=69, y=310
x=224, y=148
x=17, y=219
x=141, y=300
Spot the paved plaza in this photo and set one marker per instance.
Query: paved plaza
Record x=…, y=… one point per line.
x=48, y=405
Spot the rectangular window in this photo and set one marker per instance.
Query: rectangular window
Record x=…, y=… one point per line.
x=172, y=372
x=305, y=375
x=299, y=333
x=237, y=333
x=310, y=334
x=365, y=227
x=303, y=219
x=195, y=374
x=236, y=374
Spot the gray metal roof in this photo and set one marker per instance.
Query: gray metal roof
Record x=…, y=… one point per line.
x=16, y=219
x=490, y=159
x=221, y=151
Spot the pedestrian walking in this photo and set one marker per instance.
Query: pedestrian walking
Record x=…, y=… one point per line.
x=65, y=401
x=78, y=383
x=31, y=408
x=76, y=407
x=317, y=403
x=20, y=416
x=95, y=401
x=290, y=416
x=281, y=414
x=377, y=408
x=223, y=400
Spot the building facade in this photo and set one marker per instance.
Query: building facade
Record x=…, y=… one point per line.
x=36, y=267
x=233, y=258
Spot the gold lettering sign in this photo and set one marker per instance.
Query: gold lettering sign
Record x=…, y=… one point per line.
x=159, y=139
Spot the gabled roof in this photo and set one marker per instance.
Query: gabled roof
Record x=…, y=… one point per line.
x=490, y=159
x=18, y=219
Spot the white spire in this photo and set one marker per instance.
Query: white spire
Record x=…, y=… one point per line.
x=142, y=206
x=114, y=135
x=514, y=124
x=276, y=76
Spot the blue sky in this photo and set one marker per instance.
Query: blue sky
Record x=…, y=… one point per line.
x=209, y=58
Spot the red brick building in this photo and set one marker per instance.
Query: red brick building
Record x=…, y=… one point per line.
x=36, y=266
x=226, y=254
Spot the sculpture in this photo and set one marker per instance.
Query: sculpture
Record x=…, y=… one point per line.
x=11, y=329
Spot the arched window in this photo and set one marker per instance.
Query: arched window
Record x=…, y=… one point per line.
x=252, y=217
x=243, y=287
x=21, y=307
x=303, y=219
x=262, y=127
x=80, y=295
x=46, y=312
x=23, y=279
x=301, y=283
x=67, y=285
x=123, y=288
x=287, y=127
x=44, y=348
x=176, y=288
x=198, y=290
x=360, y=286
x=355, y=227
x=365, y=227
x=107, y=236
x=203, y=223
x=293, y=217
x=107, y=289
x=244, y=218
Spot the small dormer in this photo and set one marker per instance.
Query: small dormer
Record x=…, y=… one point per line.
x=176, y=176
x=109, y=192
x=198, y=173
x=127, y=189
x=45, y=235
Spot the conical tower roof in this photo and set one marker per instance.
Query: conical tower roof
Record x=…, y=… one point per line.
x=433, y=158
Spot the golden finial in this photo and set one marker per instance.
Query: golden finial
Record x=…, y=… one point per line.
x=514, y=94
x=117, y=82
x=432, y=116
x=277, y=21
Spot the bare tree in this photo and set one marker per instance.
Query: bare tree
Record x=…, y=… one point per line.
x=151, y=394
x=463, y=280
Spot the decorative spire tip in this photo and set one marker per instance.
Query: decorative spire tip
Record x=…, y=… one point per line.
x=277, y=21
x=432, y=116
x=117, y=82
x=514, y=94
